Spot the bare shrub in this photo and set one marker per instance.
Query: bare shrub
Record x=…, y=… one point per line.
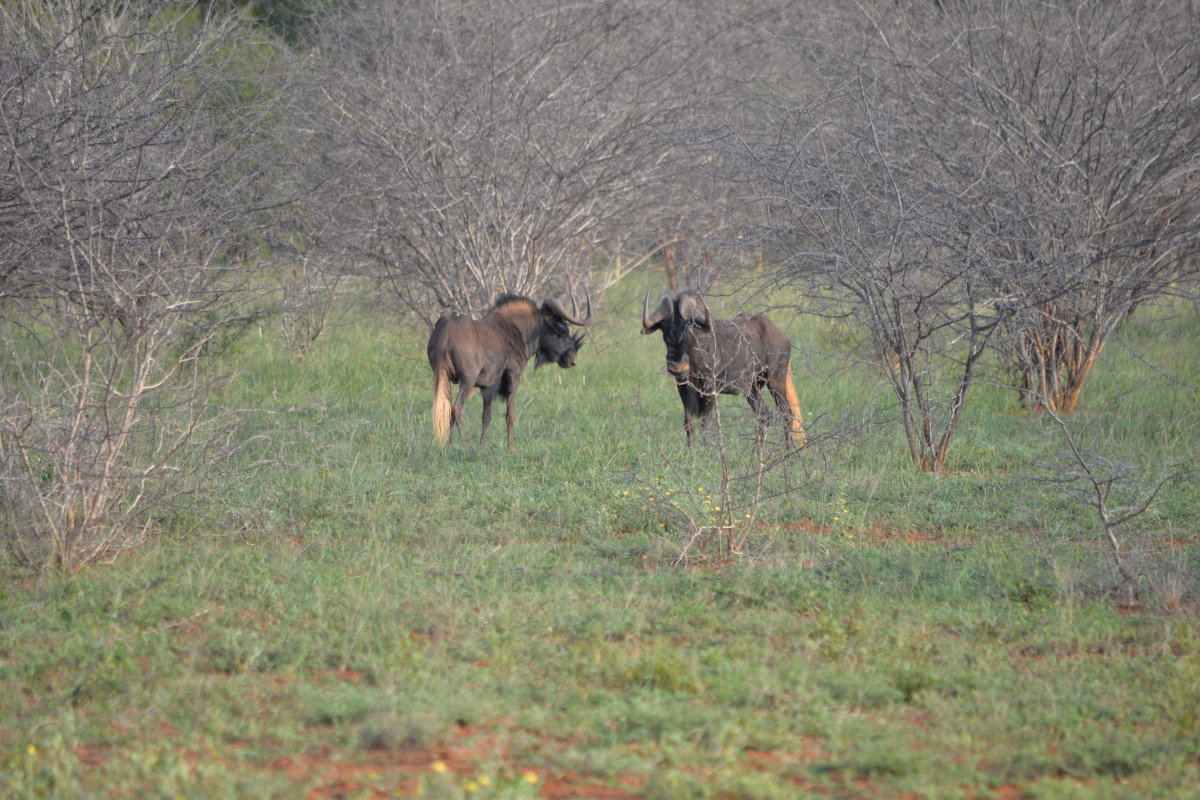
x=706, y=506
x=1119, y=493
x=129, y=130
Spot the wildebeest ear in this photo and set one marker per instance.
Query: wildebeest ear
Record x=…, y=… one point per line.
x=692, y=309
x=652, y=322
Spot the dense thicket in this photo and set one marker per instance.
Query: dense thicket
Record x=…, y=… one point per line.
x=954, y=179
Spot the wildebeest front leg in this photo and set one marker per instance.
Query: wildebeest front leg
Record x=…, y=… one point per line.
x=691, y=409
x=761, y=414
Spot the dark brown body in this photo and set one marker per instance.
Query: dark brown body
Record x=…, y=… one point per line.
x=740, y=355
x=490, y=355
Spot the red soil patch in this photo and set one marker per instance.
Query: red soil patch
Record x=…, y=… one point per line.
x=572, y=784
x=400, y=772
x=876, y=533
x=387, y=772
x=882, y=533
x=92, y=755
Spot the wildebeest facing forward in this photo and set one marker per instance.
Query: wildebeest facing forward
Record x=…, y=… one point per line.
x=490, y=354
x=709, y=356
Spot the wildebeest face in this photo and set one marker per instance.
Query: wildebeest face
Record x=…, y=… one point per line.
x=675, y=335
x=558, y=346
x=680, y=322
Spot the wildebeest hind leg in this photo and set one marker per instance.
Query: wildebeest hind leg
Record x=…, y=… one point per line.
x=510, y=416
x=456, y=411
x=488, y=395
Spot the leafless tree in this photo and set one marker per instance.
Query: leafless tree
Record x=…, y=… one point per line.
x=1083, y=118
x=975, y=173
x=128, y=132
x=474, y=148
x=861, y=221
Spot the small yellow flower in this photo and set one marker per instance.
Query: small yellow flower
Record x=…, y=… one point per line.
x=718, y=508
x=644, y=508
x=470, y=786
x=836, y=518
x=32, y=750
x=484, y=780
x=530, y=776
x=440, y=766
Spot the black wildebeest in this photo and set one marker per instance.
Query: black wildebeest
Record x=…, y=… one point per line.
x=490, y=354
x=709, y=356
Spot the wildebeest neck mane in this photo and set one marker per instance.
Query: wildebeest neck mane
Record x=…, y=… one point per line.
x=514, y=315
x=508, y=299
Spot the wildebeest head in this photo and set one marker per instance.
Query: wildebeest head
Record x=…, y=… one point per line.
x=557, y=345
x=678, y=320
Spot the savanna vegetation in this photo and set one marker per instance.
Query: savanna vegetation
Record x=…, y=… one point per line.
x=238, y=564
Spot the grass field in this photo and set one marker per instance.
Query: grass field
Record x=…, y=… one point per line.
x=368, y=615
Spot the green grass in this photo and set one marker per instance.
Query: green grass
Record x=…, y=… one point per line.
x=365, y=607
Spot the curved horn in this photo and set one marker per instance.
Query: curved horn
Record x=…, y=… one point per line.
x=587, y=298
x=646, y=323
x=556, y=307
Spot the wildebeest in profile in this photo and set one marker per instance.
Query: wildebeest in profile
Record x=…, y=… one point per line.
x=490, y=354
x=708, y=356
